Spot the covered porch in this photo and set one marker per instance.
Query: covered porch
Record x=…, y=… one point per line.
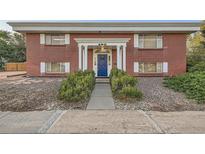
x=102, y=57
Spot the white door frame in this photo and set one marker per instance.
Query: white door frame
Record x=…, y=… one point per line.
x=95, y=61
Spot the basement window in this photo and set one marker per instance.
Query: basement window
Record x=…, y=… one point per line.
x=155, y=67
x=54, y=67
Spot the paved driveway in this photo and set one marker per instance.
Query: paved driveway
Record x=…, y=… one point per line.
x=103, y=121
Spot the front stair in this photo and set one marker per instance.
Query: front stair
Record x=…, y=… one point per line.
x=102, y=80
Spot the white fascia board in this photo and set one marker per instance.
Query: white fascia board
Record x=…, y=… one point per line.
x=107, y=29
x=102, y=40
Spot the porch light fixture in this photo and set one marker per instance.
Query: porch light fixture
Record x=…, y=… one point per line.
x=102, y=47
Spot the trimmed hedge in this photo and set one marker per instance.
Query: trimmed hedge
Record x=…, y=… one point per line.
x=77, y=87
x=124, y=86
x=192, y=84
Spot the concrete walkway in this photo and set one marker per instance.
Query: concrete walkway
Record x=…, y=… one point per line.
x=101, y=98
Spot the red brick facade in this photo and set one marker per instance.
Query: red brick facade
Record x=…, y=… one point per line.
x=173, y=52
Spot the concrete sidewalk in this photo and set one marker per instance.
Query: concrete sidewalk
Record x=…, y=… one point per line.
x=101, y=98
x=27, y=122
x=118, y=121
x=102, y=121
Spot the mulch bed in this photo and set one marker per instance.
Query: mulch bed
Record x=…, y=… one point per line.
x=21, y=94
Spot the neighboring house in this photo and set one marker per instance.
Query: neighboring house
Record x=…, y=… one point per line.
x=140, y=48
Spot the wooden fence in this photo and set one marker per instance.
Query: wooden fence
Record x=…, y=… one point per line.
x=15, y=66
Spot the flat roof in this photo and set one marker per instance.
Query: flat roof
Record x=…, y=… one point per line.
x=106, y=25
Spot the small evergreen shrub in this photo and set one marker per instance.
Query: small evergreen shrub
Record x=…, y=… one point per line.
x=191, y=84
x=124, y=86
x=200, y=67
x=130, y=92
x=77, y=86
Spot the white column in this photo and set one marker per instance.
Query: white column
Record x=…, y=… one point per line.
x=118, y=58
x=85, y=57
x=80, y=56
x=124, y=57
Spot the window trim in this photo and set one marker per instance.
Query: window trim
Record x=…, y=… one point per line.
x=55, y=72
x=151, y=72
x=157, y=41
x=52, y=34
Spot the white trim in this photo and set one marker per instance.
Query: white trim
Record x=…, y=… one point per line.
x=95, y=58
x=159, y=41
x=165, y=67
x=85, y=58
x=104, y=29
x=136, y=67
x=118, y=58
x=42, y=38
x=67, y=38
x=96, y=41
x=124, y=57
x=80, y=57
x=67, y=67
x=42, y=67
x=136, y=40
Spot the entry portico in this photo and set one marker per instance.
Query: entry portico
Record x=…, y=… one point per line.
x=102, y=46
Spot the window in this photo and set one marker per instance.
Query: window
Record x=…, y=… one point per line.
x=150, y=41
x=156, y=67
x=55, y=67
x=55, y=39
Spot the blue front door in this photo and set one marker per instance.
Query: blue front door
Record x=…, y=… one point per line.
x=102, y=65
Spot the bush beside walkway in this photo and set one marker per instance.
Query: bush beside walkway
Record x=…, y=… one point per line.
x=124, y=86
x=77, y=87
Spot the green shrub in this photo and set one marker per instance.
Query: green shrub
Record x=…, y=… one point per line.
x=192, y=84
x=130, y=92
x=123, y=85
x=118, y=82
x=200, y=67
x=77, y=87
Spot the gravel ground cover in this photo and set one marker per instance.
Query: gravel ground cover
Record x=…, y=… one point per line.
x=31, y=94
x=159, y=98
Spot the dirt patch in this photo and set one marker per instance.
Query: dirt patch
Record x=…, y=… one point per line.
x=30, y=94
x=159, y=98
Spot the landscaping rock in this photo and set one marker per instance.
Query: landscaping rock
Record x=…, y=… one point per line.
x=30, y=94
x=159, y=98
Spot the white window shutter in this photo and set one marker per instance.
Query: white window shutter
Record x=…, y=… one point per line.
x=159, y=41
x=136, y=40
x=67, y=38
x=136, y=67
x=67, y=67
x=42, y=67
x=42, y=38
x=165, y=67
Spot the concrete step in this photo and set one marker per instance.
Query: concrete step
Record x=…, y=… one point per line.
x=102, y=80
